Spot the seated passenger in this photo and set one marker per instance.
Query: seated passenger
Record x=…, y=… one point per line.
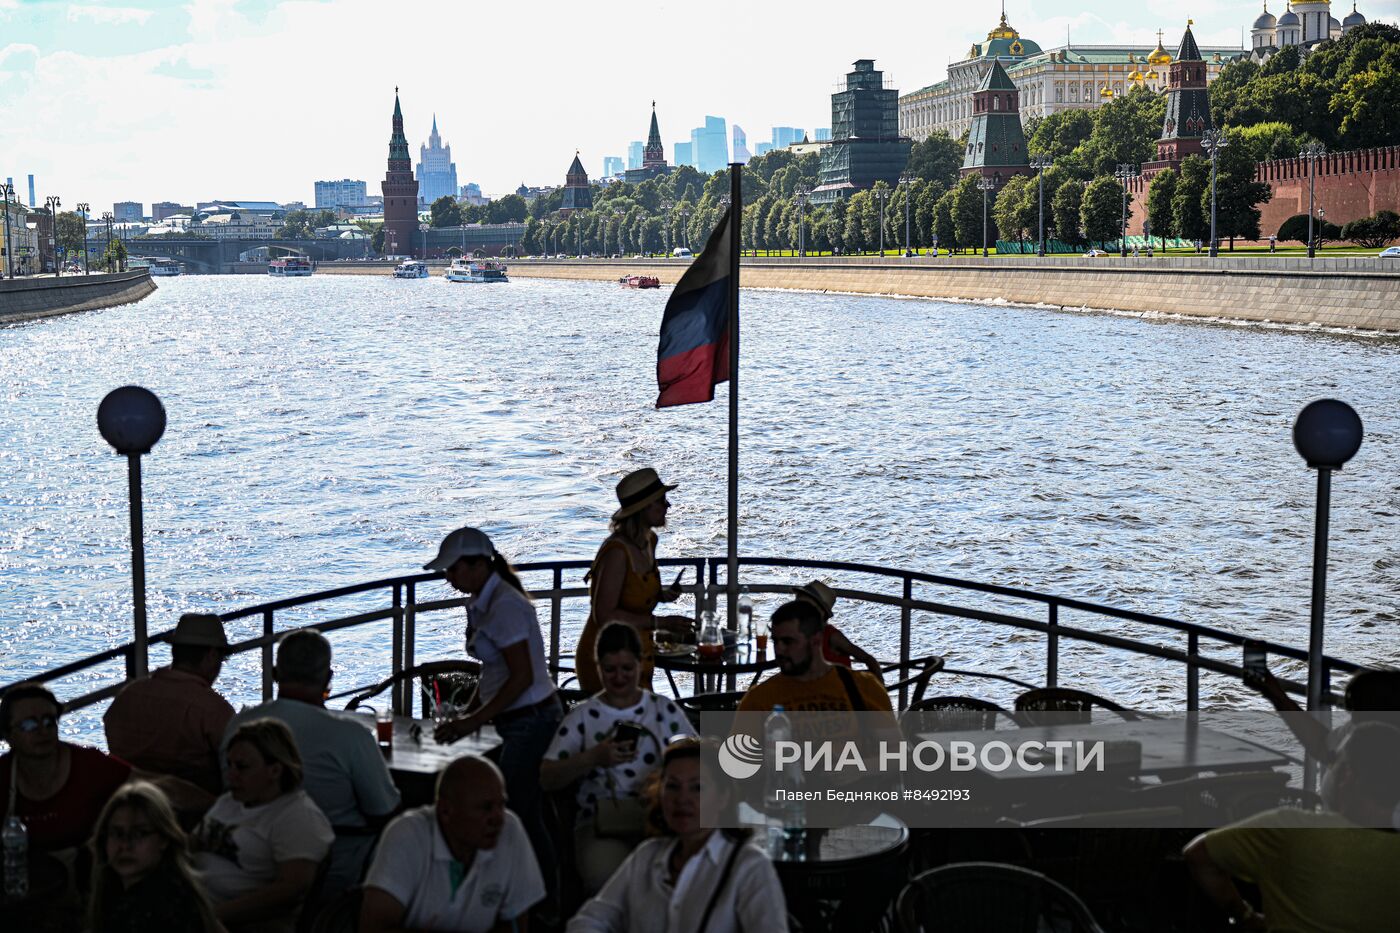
x=836, y=648
x=344, y=772
x=261, y=844
x=693, y=878
x=141, y=876
x=1334, y=870
x=806, y=683
x=611, y=744
x=60, y=788
x=172, y=722
x=1371, y=690
x=463, y=864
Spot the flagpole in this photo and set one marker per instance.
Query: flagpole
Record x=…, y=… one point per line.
x=736, y=210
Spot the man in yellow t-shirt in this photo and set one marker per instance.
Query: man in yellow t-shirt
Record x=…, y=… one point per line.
x=823, y=695
x=1335, y=870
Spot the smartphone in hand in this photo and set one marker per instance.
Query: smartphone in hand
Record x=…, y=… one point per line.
x=1255, y=659
x=627, y=733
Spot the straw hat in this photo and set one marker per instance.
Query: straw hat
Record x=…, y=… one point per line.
x=637, y=490
x=200, y=629
x=818, y=594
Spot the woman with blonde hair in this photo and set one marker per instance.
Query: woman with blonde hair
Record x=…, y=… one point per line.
x=624, y=583
x=142, y=878
x=262, y=842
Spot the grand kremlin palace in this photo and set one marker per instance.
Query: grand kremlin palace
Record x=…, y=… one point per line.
x=1086, y=76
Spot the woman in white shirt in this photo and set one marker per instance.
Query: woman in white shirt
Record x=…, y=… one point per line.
x=611, y=744
x=261, y=844
x=693, y=879
x=517, y=692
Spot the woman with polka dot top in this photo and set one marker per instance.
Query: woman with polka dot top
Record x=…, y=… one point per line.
x=610, y=744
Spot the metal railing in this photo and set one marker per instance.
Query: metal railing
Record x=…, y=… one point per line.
x=404, y=611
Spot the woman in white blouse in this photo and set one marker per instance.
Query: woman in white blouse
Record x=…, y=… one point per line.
x=693, y=879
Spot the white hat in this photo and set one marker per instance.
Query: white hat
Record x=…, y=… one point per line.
x=464, y=542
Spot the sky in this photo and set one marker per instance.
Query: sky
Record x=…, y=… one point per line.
x=257, y=99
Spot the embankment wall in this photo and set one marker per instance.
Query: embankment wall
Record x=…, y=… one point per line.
x=44, y=296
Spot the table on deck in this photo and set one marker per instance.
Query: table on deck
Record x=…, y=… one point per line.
x=415, y=763
x=712, y=676
x=849, y=875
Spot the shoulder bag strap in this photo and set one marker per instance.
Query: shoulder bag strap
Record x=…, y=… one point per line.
x=738, y=844
x=848, y=680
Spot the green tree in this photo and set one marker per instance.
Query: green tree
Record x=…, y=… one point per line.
x=1295, y=228
x=1125, y=131
x=376, y=239
x=1271, y=140
x=1189, y=221
x=944, y=226
x=1065, y=205
x=1010, y=212
x=1237, y=194
x=115, y=256
x=510, y=209
x=936, y=159
x=1367, y=107
x=1375, y=231
x=1101, y=211
x=1160, y=192
x=70, y=233
x=1061, y=133
x=294, y=226
x=967, y=214
x=853, y=231
x=445, y=212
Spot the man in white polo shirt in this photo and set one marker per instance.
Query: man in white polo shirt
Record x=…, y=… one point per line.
x=463, y=864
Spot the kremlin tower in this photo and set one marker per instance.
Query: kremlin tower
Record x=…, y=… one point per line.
x=400, y=193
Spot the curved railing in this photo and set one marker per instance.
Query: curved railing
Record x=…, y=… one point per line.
x=1041, y=614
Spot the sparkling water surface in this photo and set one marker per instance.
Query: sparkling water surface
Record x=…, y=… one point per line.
x=330, y=430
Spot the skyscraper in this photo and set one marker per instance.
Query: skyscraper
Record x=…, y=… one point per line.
x=784, y=136
x=741, y=145
x=710, y=145
x=762, y=148
x=437, y=173
x=634, y=154
x=612, y=166
x=400, y=192
x=683, y=154
x=821, y=134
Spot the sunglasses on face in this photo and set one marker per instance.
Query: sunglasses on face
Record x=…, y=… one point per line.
x=35, y=723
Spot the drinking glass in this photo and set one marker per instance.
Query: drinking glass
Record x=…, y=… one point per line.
x=384, y=725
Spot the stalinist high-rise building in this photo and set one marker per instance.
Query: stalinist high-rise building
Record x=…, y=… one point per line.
x=400, y=193
x=437, y=173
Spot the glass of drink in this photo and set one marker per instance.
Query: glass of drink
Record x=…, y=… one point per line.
x=384, y=726
x=711, y=646
x=761, y=640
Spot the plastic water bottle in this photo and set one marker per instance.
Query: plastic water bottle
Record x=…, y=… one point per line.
x=745, y=608
x=16, y=840
x=785, y=815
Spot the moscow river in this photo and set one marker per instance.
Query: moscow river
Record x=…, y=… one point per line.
x=329, y=430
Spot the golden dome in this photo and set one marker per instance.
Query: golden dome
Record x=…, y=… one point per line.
x=1135, y=76
x=1003, y=30
x=1106, y=91
x=1159, y=55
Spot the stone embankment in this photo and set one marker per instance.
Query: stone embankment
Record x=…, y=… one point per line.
x=1361, y=293
x=43, y=296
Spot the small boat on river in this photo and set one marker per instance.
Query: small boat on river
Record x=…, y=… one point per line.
x=411, y=269
x=639, y=281
x=476, y=270
x=166, y=267
x=289, y=266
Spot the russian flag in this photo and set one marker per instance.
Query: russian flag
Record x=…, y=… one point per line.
x=693, y=355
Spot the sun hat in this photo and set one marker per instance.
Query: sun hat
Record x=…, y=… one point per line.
x=818, y=594
x=637, y=490
x=464, y=542
x=200, y=629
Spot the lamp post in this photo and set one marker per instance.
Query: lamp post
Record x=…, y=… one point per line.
x=666, y=208
x=1147, y=234
x=1124, y=174
x=685, y=228
x=1326, y=435
x=1312, y=152
x=7, y=191
x=132, y=420
x=83, y=209
x=53, y=203
x=107, y=247
x=984, y=184
x=423, y=228
x=802, y=195
x=882, y=195
x=1040, y=164
x=1212, y=142
x=906, y=181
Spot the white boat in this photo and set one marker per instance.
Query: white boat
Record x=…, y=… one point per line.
x=166, y=267
x=411, y=269
x=476, y=270
x=289, y=266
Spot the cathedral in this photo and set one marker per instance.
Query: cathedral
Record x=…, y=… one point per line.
x=1303, y=24
x=437, y=173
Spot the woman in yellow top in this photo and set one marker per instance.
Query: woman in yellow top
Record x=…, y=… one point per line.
x=624, y=584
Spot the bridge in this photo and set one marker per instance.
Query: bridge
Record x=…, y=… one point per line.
x=199, y=254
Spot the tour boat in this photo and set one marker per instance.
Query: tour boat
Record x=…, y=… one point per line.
x=165, y=267
x=289, y=266
x=411, y=269
x=474, y=270
x=640, y=281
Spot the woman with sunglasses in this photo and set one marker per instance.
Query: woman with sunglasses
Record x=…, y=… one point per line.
x=141, y=877
x=58, y=789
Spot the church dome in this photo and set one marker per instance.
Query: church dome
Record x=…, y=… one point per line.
x=1289, y=19
x=1266, y=21
x=1353, y=19
x=1159, y=55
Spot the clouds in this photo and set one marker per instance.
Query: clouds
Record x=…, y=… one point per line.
x=108, y=15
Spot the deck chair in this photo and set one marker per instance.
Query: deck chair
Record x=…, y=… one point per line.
x=990, y=897
x=456, y=683
x=1063, y=700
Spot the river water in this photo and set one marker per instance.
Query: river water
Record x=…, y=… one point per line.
x=329, y=430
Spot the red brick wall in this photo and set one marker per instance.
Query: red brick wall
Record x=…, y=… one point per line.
x=1348, y=185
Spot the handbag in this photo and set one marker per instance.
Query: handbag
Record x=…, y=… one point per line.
x=623, y=817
